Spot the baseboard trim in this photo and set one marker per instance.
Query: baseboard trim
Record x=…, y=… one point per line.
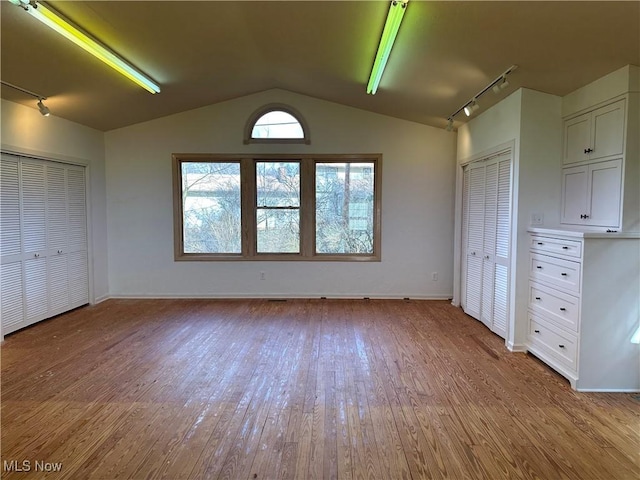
x=517, y=347
x=101, y=299
x=152, y=296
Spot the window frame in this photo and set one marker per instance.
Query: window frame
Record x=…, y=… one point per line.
x=272, y=107
x=248, y=195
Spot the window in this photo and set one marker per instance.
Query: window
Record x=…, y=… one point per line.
x=276, y=123
x=277, y=207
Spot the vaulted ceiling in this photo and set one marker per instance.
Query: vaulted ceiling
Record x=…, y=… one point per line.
x=206, y=52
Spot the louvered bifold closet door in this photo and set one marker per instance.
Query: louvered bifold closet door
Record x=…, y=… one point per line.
x=34, y=238
x=464, y=236
x=11, y=284
x=77, y=237
x=502, y=237
x=475, y=241
x=489, y=242
x=57, y=239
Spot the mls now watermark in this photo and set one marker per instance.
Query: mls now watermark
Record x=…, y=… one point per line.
x=29, y=466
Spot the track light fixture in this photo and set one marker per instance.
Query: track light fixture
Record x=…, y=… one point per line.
x=44, y=110
x=64, y=27
x=471, y=107
x=498, y=85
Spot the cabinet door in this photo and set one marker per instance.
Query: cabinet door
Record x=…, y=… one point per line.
x=577, y=139
x=604, y=193
x=574, y=194
x=607, y=124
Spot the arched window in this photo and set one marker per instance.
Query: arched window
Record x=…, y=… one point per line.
x=276, y=123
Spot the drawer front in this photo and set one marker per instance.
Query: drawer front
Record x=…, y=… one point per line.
x=557, y=344
x=555, y=271
x=561, y=308
x=570, y=248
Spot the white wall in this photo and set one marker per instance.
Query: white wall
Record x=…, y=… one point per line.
x=417, y=204
x=27, y=132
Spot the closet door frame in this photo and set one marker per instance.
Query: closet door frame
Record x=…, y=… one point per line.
x=460, y=263
x=68, y=161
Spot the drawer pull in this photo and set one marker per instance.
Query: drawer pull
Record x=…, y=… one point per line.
x=562, y=309
x=538, y=298
x=540, y=243
x=561, y=346
x=563, y=274
x=565, y=248
x=539, y=267
x=536, y=331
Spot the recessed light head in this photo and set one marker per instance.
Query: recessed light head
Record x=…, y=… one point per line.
x=44, y=110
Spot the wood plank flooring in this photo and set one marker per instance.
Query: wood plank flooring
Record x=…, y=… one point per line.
x=302, y=389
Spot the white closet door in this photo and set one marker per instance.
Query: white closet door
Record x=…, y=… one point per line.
x=34, y=208
x=489, y=242
x=486, y=226
x=501, y=258
x=475, y=240
x=77, y=242
x=11, y=285
x=36, y=293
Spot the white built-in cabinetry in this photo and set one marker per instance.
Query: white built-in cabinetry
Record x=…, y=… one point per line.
x=486, y=225
x=593, y=174
x=584, y=307
x=44, y=264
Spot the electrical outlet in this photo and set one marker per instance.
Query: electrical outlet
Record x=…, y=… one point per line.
x=537, y=219
x=434, y=276
x=263, y=275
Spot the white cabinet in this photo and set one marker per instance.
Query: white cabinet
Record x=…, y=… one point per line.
x=595, y=135
x=583, y=290
x=44, y=264
x=592, y=194
x=486, y=231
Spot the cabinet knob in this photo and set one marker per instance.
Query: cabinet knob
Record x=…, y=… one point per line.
x=59, y=251
x=486, y=257
x=36, y=255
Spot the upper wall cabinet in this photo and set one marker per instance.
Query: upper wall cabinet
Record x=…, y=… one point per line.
x=595, y=135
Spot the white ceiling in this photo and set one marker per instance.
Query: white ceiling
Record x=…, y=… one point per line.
x=209, y=51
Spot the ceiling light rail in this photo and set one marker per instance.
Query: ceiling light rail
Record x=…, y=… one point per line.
x=75, y=34
x=44, y=110
x=497, y=85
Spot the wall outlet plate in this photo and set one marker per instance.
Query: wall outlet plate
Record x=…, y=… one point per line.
x=537, y=219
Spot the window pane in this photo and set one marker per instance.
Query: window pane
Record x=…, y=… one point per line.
x=211, y=207
x=344, y=207
x=277, y=124
x=278, y=184
x=278, y=231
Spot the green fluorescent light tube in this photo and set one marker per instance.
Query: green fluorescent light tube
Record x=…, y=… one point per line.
x=54, y=21
x=391, y=27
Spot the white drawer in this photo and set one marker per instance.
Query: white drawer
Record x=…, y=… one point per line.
x=561, y=308
x=571, y=248
x=554, y=342
x=555, y=271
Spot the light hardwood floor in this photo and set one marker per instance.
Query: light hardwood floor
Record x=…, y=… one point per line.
x=303, y=389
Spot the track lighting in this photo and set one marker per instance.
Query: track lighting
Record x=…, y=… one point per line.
x=471, y=107
x=450, y=125
x=498, y=85
x=44, y=110
x=501, y=85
